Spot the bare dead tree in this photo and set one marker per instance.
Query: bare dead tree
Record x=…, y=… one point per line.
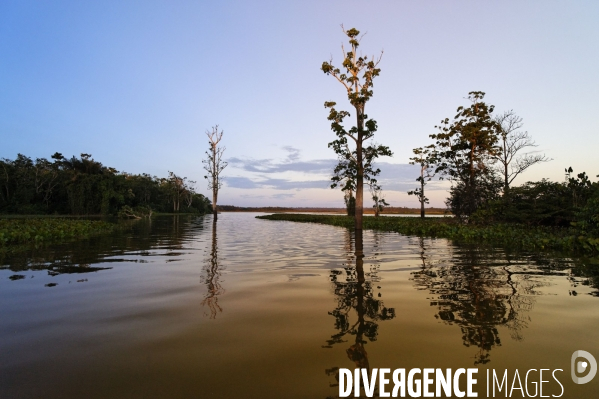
x=512, y=141
x=214, y=165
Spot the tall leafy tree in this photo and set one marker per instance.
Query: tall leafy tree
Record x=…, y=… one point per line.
x=466, y=148
x=357, y=79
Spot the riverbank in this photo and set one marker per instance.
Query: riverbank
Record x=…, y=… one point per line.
x=511, y=235
x=390, y=210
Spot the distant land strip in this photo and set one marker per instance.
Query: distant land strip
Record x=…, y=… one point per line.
x=275, y=209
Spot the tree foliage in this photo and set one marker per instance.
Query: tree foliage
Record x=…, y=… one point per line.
x=466, y=148
x=83, y=186
x=356, y=161
x=572, y=202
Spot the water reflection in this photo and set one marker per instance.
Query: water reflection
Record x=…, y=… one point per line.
x=135, y=330
x=132, y=240
x=358, y=310
x=479, y=291
x=212, y=277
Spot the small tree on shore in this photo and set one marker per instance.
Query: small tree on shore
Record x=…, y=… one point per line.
x=426, y=158
x=214, y=164
x=378, y=198
x=344, y=176
x=357, y=79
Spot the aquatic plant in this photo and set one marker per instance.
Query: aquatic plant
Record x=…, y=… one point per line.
x=39, y=230
x=500, y=234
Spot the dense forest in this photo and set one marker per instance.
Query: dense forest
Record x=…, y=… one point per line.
x=83, y=186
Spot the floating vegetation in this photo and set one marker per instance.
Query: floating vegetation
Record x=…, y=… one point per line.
x=501, y=234
x=40, y=230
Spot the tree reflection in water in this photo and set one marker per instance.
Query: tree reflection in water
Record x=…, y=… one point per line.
x=479, y=290
x=354, y=292
x=212, y=277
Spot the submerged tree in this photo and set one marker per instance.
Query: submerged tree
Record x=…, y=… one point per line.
x=214, y=164
x=512, y=141
x=426, y=158
x=357, y=79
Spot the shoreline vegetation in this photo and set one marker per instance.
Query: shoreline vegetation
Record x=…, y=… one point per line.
x=566, y=239
x=35, y=230
x=83, y=186
x=391, y=210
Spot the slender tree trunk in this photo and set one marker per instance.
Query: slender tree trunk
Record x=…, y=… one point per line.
x=214, y=198
x=422, y=197
x=506, y=184
x=214, y=180
x=360, y=170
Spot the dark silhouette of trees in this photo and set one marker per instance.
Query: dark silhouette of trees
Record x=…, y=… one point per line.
x=357, y=79
x=83, y=186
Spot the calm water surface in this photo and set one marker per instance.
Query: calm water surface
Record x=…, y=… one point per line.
x=248, y=308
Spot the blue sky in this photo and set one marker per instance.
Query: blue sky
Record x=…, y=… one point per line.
x=137, y=83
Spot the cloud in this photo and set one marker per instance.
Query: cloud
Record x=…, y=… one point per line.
x=282, y=196
x=293, y=153
x=291, y=163
x=393, y=177
x=240, y=182
x=278, y=184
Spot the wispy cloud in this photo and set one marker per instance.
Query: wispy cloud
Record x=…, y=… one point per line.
x=291, y=163
x=277, y=184
x=282, y=196
x=393, y=177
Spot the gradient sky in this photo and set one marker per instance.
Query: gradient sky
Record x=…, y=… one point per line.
x=137, y=83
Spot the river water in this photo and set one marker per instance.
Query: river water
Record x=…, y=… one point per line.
x=180, y=307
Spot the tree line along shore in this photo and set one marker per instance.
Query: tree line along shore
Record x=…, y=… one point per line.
x=275, y=209
x=515, y=236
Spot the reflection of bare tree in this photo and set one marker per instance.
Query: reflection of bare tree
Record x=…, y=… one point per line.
x=478, y=292
x=212, y=277
x=355, y=295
